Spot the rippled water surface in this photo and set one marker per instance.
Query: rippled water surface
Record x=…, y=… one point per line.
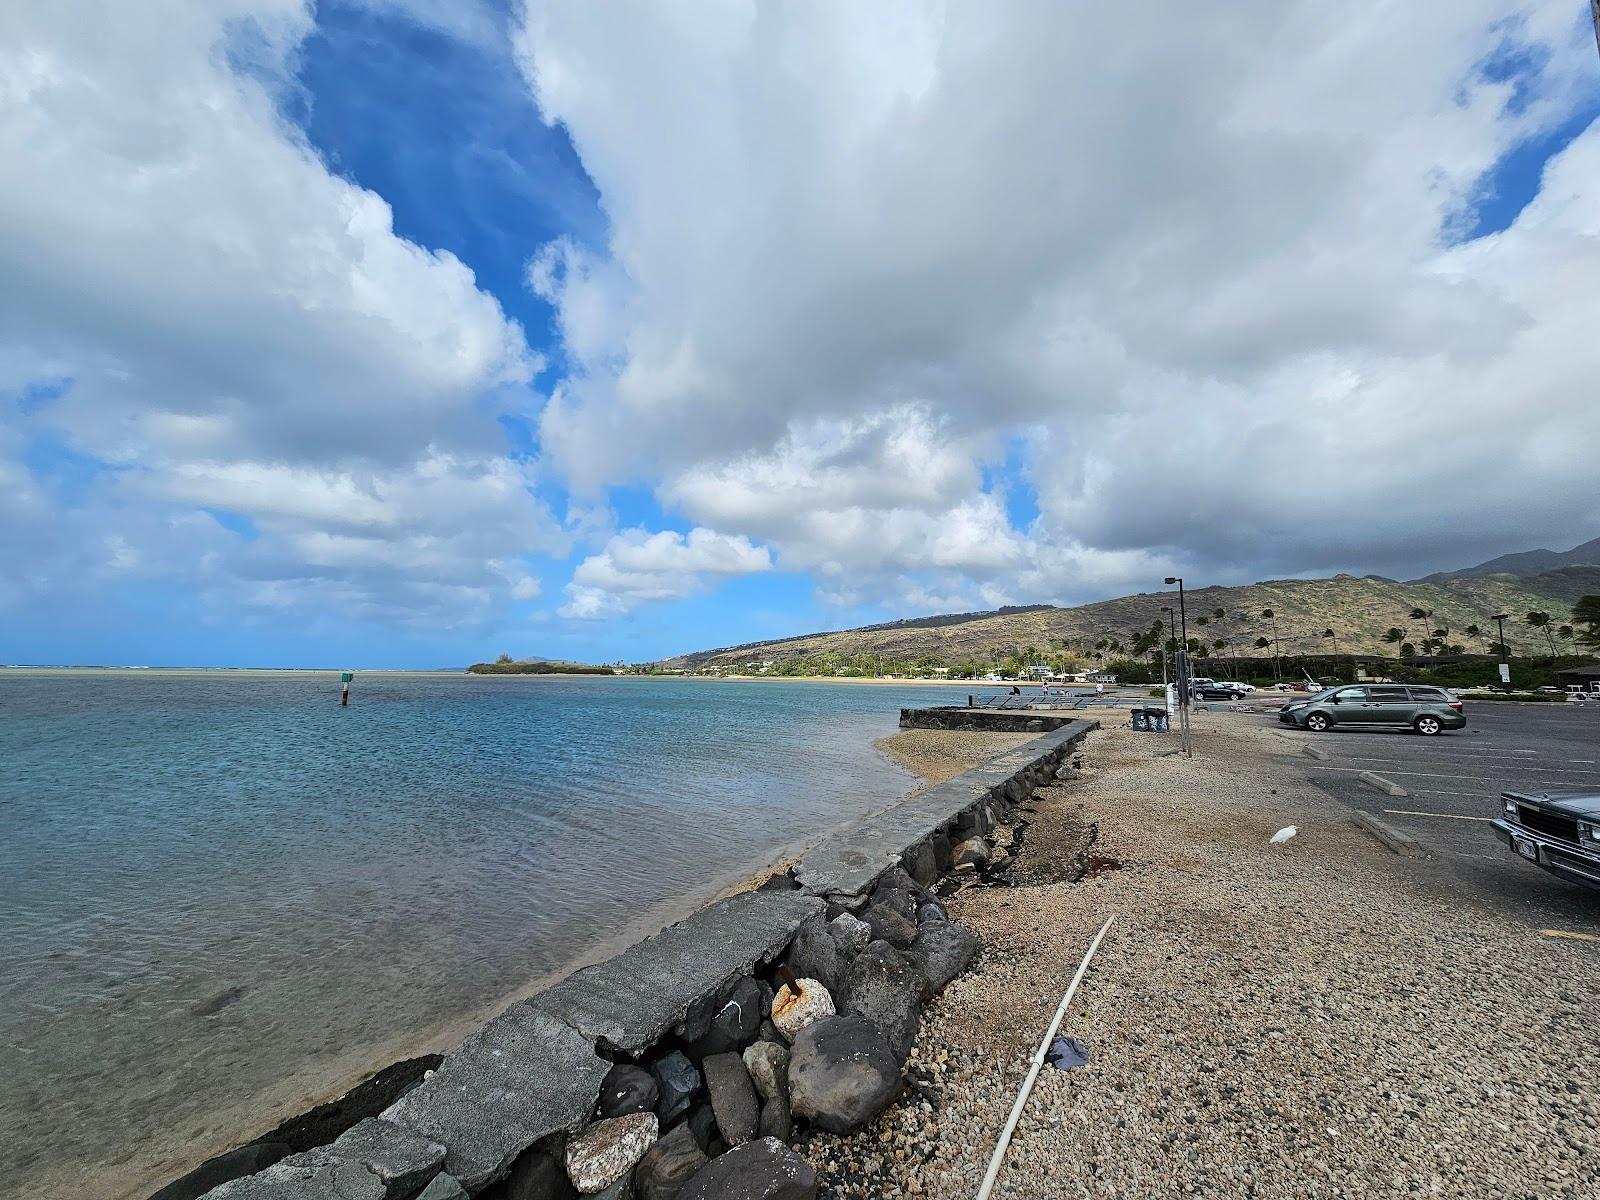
x=221, y=893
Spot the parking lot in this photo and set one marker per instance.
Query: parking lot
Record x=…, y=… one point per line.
x=1453, y=784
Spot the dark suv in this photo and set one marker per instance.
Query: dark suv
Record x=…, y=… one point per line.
x=1378, y=705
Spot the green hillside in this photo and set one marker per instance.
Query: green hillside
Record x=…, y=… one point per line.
x=1358, y=610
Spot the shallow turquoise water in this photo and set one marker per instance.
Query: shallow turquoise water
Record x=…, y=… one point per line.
x=356, y=874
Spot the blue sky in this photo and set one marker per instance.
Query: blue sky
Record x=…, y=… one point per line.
x=462, y=330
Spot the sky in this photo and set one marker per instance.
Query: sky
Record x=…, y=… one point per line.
x=403, y=333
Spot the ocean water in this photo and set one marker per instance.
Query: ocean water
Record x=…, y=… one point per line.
x=222, y=894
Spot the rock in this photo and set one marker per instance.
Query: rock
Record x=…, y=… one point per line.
x=791, y=1013
x=922, y=864
x=668, y=1165
x=628, y=1089
x=762, y=1170
x=733, y=1098
x=537, y=1175
x=622, y=1189
x=813, y=954
x=776, y=1119
x=842, y=1074
x=1000, y=859
x=850, y=934
x=447, y=1187
x=932, y=910
x=677, y=1084
x=313, y=1175
x=890, y=925
x=403, y=1160
x=734, y=1021
x=941, y=850
x=780, y=882
x=768, y=1065
x=607, y=1150
x=887, y=990
x=702, y=1124
x=941, y=952
x=769, y=1031
x=973, y=852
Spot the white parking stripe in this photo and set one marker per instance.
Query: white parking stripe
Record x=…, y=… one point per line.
x=1418, y=774
x=1406, y=762
x=1407, y=812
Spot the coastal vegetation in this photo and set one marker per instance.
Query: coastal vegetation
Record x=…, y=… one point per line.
x=506, y=665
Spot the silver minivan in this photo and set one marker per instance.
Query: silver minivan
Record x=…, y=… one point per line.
x=1428, y=710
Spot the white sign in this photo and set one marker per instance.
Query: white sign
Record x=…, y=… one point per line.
x=1505, y=672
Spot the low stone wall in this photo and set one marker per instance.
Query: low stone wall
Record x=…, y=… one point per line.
x=986, y=720
x=680, y=1066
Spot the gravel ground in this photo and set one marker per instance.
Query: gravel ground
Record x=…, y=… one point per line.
x=1311, y=1021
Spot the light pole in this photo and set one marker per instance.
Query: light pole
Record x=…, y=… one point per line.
x=1500, y=620
x=1183, y=617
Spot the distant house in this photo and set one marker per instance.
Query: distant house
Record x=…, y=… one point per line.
x=1038, y=671
x=1586, y=678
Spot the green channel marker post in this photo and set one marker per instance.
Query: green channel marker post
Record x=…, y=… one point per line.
x=344, y=678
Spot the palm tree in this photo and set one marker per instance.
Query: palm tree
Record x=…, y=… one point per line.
x=1541, y=620
x=1394, y=635
x=1473, y=632
x=1566, y=633
x=1328, y=633
x=1586, y=612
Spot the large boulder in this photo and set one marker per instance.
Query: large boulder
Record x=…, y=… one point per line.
x=668, y=1165
x=677, y=1084
x=733, y=1098
x=813, y=953
x=607, y=1150
x=887, y=990
x=628, y=1089
x=941, y=952
x=890, y=924
x=763, y=1170
x=842, y=1074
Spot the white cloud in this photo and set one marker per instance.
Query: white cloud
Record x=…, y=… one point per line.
x=1197, y=258
x=243, y=329
x=637, y=566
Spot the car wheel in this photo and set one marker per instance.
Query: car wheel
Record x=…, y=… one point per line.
x=1427, y=726
x=1318, y=723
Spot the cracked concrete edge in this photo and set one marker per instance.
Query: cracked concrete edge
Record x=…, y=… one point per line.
x=1378, y=783
x=1401, y=843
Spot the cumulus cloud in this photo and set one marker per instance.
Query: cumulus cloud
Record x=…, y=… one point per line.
x=238, y=328
x=637, y=566
x=1196, y=260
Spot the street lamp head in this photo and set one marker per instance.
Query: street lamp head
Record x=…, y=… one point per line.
x=1174, y=579
x=1501, y=617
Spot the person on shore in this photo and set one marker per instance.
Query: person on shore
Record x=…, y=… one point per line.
x=1099, y=689
x=1015, y=690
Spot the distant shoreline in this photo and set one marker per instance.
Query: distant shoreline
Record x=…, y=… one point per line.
x=461, y=672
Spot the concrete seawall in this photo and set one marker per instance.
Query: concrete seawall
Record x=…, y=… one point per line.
x=987, y=720
x=505, y=1102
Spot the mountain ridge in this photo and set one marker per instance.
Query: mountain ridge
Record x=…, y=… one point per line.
x=1359, y=609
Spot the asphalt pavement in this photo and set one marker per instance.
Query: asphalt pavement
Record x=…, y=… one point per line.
x=1453, y=784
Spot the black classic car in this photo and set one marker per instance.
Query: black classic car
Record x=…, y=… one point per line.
x=1557, y=830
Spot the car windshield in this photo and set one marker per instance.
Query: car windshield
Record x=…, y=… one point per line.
x=1325, y=693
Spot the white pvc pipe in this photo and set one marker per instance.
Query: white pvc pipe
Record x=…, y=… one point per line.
x=1038, y=1062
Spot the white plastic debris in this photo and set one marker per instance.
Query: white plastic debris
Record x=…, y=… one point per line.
x=1283, y=835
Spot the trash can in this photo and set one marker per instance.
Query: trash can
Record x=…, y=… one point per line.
x=1141, y=720
x=1157, y=718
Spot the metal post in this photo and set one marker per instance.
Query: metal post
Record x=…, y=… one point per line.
x=344, y=698
x=1500, y=621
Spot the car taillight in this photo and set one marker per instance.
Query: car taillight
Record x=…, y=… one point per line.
x=1455, y=704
